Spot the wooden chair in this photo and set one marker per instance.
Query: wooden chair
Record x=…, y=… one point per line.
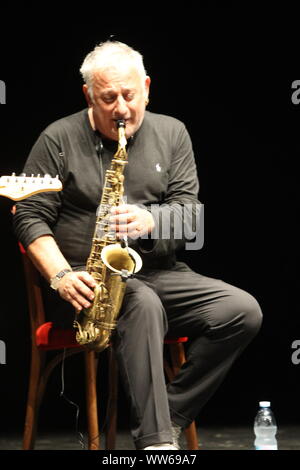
x=45, y=337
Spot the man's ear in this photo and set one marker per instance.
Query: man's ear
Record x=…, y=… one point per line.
x=87, y=95
x=147, y=86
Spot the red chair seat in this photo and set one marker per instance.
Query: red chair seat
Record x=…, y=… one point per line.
x=50, y=337
x=175, y=340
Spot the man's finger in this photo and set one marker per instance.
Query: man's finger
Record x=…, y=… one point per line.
x=121, y=209
x=85, y=277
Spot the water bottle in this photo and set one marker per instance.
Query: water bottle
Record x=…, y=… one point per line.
x=265, y=428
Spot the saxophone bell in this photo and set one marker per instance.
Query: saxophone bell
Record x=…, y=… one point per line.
x=119, y=259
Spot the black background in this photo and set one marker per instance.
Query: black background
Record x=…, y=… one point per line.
x=227, y=73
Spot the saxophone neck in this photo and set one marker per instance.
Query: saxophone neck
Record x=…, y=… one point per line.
x=121, y=135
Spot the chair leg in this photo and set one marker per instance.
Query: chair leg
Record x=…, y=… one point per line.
x=91, y=399
x=177, y=356
x=178, y=359
x=34, y=398
x=191, y=436
x=112, y=407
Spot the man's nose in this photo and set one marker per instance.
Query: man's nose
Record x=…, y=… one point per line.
x=121, y=106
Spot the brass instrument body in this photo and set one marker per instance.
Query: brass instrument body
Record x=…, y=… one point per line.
x=109, y=262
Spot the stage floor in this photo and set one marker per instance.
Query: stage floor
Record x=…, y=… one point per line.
x=210, y=438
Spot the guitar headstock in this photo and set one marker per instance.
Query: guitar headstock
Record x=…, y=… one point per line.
x=21, y=187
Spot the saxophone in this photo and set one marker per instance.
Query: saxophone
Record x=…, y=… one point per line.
x=110, y=262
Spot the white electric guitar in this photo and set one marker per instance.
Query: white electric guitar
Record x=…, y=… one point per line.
x=21, y=187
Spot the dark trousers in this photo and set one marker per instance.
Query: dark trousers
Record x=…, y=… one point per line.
x=219, y=319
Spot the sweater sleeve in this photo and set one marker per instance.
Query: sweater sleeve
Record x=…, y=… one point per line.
x=36, y=215
x=178, y=220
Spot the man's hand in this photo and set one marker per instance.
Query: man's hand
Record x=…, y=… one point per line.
x=131, y=221
x=77, y=288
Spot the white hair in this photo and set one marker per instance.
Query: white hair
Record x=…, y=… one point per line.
x=110, y=54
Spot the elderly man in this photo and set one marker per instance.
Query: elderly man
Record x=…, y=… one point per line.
x=166, y=295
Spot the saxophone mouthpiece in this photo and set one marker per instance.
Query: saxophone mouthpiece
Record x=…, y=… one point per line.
x=120, y=123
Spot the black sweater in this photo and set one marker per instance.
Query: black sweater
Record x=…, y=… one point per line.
x=161, y=171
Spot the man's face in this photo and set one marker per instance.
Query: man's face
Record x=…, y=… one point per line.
x=119, y=93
